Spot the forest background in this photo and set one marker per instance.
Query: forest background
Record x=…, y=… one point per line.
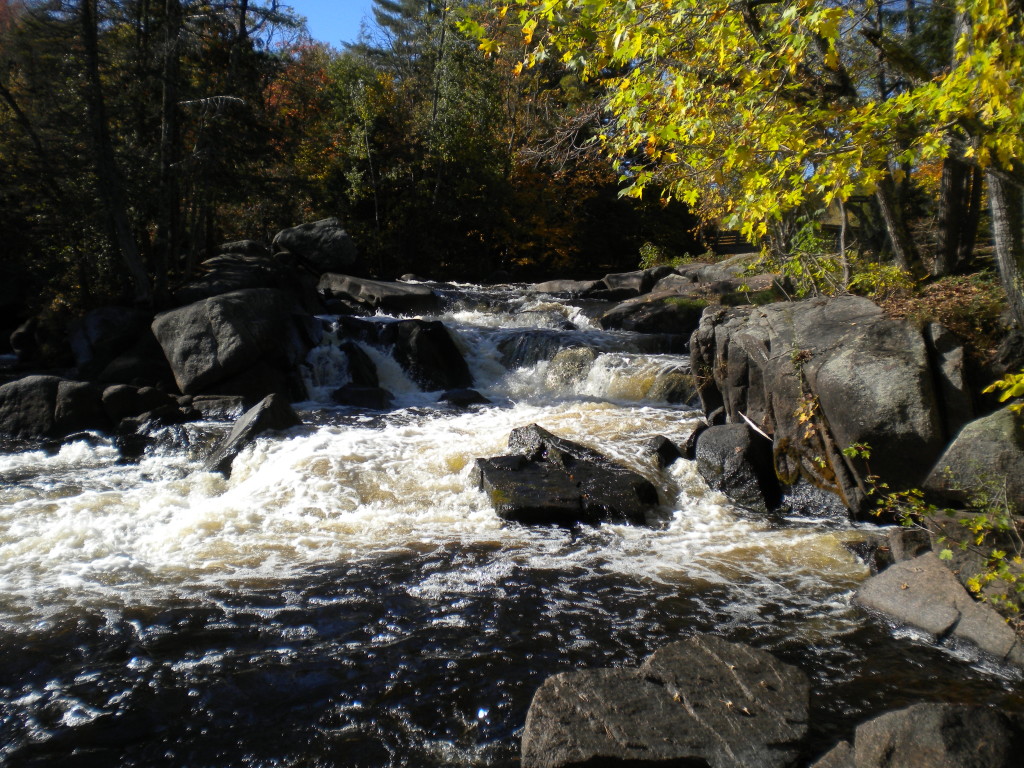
x=864, y=145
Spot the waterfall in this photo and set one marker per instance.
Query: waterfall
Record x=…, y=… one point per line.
x=349, y=597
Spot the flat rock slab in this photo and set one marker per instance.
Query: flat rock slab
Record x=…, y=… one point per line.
x=379, y=294
x=700, y=702
x=924, y=593
x=571, y=287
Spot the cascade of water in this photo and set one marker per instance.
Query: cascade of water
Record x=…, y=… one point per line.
x=351, y=587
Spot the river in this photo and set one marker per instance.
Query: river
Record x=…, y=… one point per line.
x=349, y=598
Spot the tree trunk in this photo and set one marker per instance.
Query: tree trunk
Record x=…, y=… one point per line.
x=109, y=185
x=1005, y=202
x=952, y=216
x=168, y=235
x=899, y=238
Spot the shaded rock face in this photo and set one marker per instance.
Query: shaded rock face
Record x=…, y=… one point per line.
x=463, y=398
x=271, y=413
x=699, y=702
x=247, y=342
x=104, y=334
x=323, y=245
x=988, y=454
x=550, y=480
x=246, y=247
x=933, y=736
x=49, y=406
x=397, y=298
x=924, y=593
x=239, y=270
x=735, y=460
x=423, y=348
x=949, y=362
x=356, y=396
x=820, y=376
x=656, y=313
x=637, y=282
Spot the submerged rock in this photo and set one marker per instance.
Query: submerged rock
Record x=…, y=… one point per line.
x=569, y=367
x=463, y=398
x=272, y=413
x=663, y=450
x=551, y=480
x=372, y=397
x=699, y=702
x=933, y=735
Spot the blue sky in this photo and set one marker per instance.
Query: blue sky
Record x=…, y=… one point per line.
x=332, y=21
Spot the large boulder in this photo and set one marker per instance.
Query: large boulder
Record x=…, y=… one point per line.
x=323, y=245
x=226, y=344
x=378, y=294
x=271, y=413
x=423, y=348
x=624, y=285
x=933, y=735
x=700, y=702
x=987, y=456
x=550, y=480
x=662, y=312
x=923, y=593
x=735, y=460
x=49, y=406
x=821, y=376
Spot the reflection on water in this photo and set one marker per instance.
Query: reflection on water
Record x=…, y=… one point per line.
x=348, y=598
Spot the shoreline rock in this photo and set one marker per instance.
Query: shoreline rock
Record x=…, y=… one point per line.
x=699, y=702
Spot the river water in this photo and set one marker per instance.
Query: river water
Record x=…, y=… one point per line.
x=349, y=598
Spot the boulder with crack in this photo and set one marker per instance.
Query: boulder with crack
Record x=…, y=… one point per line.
x=700, y=702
